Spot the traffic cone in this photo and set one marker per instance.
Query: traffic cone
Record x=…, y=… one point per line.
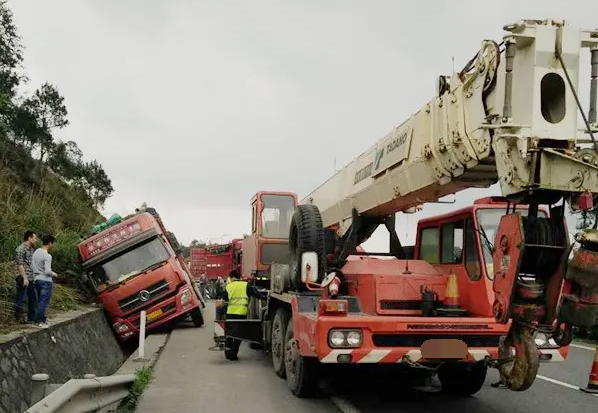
x=452, y=299
x=592, y=387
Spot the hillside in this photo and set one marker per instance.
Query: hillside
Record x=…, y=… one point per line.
x=45, y=184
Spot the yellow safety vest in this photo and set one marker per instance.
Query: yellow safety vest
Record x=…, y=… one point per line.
x=237, y=298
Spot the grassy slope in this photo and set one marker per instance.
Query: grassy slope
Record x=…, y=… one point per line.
x=42, y=202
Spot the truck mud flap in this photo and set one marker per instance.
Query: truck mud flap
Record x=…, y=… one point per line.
x=246, y=330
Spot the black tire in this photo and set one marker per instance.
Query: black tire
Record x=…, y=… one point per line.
x=197, y=317
x=306, y=235
x=277, y=341
x=301, y=372
x=462, y=379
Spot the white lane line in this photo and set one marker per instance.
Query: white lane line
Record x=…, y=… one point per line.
x=344, y=405
x=584, y=347
x=562, y=383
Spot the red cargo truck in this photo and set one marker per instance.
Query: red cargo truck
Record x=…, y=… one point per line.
x=198, y=262
x=135, y=264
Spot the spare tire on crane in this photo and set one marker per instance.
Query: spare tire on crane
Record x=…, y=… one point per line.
x=306, y=235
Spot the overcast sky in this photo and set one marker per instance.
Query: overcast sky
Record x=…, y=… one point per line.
x=193, y=106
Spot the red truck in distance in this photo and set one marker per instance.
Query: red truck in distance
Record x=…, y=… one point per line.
x=216, y=260
x=135, y=264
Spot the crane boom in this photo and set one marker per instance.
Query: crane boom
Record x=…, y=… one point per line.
x=509, y=116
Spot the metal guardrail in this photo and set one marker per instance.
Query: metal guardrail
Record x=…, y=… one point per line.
x=85, y=395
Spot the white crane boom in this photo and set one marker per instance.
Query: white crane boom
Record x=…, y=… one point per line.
x=508, y=117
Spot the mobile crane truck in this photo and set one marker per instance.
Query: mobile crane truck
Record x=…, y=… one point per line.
x=509, y=116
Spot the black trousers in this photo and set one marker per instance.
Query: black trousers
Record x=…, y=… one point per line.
x=232, y=344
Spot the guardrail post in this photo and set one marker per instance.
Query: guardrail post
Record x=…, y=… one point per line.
x=38, y=387
x=141, y=350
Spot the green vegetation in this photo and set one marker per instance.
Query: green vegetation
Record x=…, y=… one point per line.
x=45, y=184
x=142, y=379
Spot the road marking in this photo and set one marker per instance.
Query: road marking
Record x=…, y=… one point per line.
x=344, y=405
x=561, y=383
x=584, y=347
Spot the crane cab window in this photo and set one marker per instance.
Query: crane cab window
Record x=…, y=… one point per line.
x=276, y=215
x=429, y=243
x=452, y=243
x=472, y=258
x=254, y=217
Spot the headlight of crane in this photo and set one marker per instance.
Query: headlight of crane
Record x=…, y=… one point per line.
x=541, y=339
x=345, y=338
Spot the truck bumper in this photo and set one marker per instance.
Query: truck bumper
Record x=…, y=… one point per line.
x=158, y=314
x=400, y=339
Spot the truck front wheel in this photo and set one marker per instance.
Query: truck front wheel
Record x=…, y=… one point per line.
x=279, y=330
x=462, y=379
x=197, y=317
x=301, y=372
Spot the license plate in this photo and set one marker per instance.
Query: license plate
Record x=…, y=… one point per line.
x=154, y=314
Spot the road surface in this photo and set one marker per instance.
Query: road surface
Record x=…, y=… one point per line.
x=190, y=378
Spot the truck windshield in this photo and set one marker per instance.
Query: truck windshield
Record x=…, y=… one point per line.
x=130, y=263
x=488, y=220
x=276, y=215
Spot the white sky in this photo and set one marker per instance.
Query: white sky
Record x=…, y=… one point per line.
x=193, y=106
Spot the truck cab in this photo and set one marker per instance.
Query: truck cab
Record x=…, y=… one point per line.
x=133, y=267
x=268, y=242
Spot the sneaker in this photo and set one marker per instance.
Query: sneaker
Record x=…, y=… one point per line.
x=42, y=325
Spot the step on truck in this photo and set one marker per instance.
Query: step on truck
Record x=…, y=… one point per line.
x=134, y=264
x=495, y=285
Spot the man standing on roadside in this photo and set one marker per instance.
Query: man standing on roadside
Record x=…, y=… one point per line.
x=41, y=266
x=24, y=277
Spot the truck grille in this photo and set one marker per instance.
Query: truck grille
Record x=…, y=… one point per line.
x=145, y=295
x=416, y=340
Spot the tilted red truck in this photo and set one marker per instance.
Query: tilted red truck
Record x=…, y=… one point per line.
x=134, y=265
x=498, y=120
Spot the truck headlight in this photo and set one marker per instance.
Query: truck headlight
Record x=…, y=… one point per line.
x=338, y=338
x=185, y=297
x=541, y=339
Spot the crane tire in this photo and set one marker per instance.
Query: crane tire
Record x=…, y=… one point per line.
x=277, y=341
x=301, y=372
x=306, y=235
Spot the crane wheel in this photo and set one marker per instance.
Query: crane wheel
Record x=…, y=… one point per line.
x=306, y=235
x=520, y=374
x=301, y=372
x=277, y=346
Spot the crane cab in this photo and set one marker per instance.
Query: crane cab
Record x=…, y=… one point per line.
x=460, y=242
x=271, y=216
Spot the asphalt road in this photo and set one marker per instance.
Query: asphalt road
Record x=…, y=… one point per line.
x=190, y=378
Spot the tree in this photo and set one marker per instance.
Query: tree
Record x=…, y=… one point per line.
x=65, y=160
x=11, y=58
x=588, y=219
x=47, y=105
x=96, y=183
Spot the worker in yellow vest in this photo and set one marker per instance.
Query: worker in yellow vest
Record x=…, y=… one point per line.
x=236, y=294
